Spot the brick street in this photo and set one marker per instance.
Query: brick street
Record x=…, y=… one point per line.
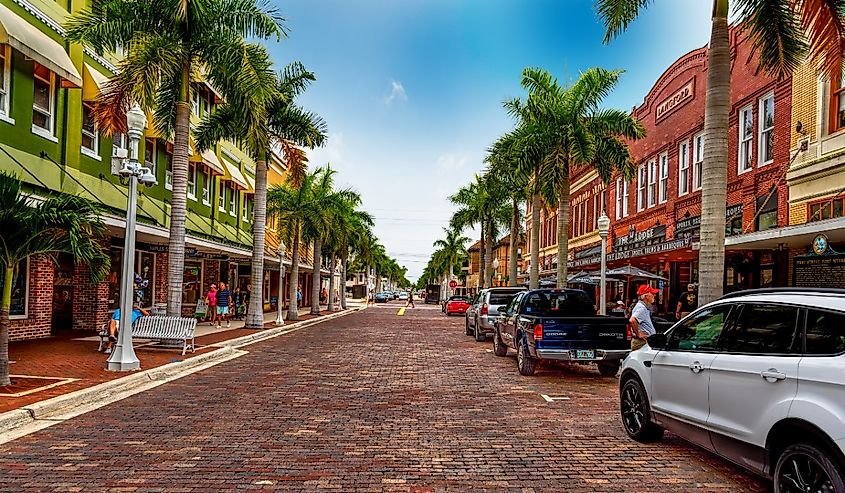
x=368, y=402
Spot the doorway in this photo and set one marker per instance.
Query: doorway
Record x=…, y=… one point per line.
x=62, y=317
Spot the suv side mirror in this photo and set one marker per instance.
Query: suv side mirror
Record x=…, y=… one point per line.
x=657, y=341
x=502, y=309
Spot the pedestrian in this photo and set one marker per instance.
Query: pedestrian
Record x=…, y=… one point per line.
x=211, y=304
x=298, y=295
x=641, y=325
x=137, y=312
x=687, y=303
x=371, y=299
x=410, y=301
x=224, y=301
x=324, y=296
x=238, y=300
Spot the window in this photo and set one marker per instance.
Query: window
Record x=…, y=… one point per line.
x=664, y=177
x=43, y=100
x=192, y=181
x=825, y=332
x=837, y=101
x=701, y=331
x=652, y=182
x=233, y=201
x=206, y=187
x=697, y=160
x=206, y=104
x=221, y=197
x=766, y=139
x=746, y=138
x=762, y=329
x=119, y=142
x=20, y=289
x=767, y=207
x=150, y=157
x=826, y=209
x=168, y=170
x=245, y=210
x=90, y=136
x=683, y=168
x=195, y=100
x=4, y=80
x=641, y=187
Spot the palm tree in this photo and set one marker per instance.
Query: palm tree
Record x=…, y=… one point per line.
x=472, y=201
x=58, y=224
x=783, y=31
x=574, y=132
x=345, y=222
x=168, y=44
x=358, y=224
x=263, y=120
x=454, y=251
x=503, y=161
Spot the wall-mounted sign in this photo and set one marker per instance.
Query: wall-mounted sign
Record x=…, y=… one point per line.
x=689, y=226
x=676, y=100
x=820, y=244
x=636, y=238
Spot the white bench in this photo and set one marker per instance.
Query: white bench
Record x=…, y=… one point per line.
x=163, y=328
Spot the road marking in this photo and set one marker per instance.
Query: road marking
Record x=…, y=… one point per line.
x=552, y=399
x=401, y=311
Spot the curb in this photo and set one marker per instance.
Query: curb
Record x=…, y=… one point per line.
x=56, y=409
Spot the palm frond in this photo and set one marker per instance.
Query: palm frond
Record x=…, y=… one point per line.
x=617, y=15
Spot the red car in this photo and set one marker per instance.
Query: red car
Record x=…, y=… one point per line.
x=457, y=304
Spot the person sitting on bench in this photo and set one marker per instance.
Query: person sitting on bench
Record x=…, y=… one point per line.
x=137, y=312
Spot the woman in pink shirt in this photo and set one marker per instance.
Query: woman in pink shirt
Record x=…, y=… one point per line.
x=211, y=303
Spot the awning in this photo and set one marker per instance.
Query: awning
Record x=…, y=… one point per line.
x=209, y=158
x=235, y=175
x=92, y=82
x=251, y=181
x=26, y=38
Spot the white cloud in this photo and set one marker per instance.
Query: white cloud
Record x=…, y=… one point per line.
x=397, y=92
x=452, y=161
x=333, y=152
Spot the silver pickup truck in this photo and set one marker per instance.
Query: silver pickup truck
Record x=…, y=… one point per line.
x=484, y=310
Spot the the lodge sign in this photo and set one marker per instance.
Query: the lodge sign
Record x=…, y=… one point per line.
x=661, y=247
x=636, y=238
x=676, y=100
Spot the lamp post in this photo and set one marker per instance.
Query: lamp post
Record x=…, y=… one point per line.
x=604, y=227
x=496, y=268
x=280, y=301
x=123, y=354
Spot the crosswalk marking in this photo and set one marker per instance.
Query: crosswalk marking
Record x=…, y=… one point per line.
x=401, y=311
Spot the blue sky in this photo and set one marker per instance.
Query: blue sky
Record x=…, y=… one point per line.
x=412, y=90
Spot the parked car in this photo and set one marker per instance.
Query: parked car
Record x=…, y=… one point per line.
x=383, y=297
x=403, y=296
x=560, y=324
x=757, y=377
x=484, y=310
x=456, y=304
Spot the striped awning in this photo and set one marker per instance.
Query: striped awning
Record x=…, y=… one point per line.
x=92, y=82
x=251, y=182
x=210, y=159
x=235, y=175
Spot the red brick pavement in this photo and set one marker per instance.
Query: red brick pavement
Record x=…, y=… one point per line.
x=367, y=402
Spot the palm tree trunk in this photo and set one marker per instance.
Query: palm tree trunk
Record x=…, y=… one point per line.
x=514, y=244
x=293, y=309
x=255, y=313
x=482, y=263
x=488, y=257
x=344, y=260
x=178, y=206
x=333, y=266
x=5, y=324
x=534, y=270
x=563, y=230
x=315, y=278
x=714, y=169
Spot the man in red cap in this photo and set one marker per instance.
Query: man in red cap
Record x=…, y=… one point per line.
x=641, y=325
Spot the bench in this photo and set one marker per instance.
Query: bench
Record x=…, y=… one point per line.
x=162, y=328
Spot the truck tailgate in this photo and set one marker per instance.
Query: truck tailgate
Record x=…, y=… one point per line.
x=596, y=332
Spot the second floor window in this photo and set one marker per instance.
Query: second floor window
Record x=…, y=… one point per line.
x=4, y=80
x=206, y=187
x=118, y=142
x=221, y=197
x=43, y=102
x=233, y=201
x=697, y=160
x=664, y=177
x=168, y=171
x=195, y=100
x=641, y=187
x=766, y=139
x=90, y=136
x=192, y=181
x=683, y=168
x=245, y=210
x=150, y=157
x=652, y=182
x=621, y=198
x=746, y=138
x=827, y=209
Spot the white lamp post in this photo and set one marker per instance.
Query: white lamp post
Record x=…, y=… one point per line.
x=604, y=227
x=496, y=268
x=123, y=354
x=280, y=301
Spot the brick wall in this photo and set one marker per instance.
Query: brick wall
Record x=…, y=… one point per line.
x=804, y=102
x=40, y=304
x=160, y=281
x=90, y=300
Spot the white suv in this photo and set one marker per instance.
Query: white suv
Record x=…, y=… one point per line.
x=757, y=377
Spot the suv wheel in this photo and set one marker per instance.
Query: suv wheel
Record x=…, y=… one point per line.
x=469, y=331
x=804, y=467
x=499, y=348
x=609, y=368
x=480, y=336
x=524, y=362
x=636, y=413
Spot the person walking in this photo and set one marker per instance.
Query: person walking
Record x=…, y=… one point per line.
x=410, y=301
x=211, y=304
x=238, y=303
x=687, y=303
x=224, y=301
x=641, y=325
x=298, y=295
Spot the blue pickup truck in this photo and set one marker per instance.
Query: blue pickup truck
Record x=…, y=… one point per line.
x=560, y=324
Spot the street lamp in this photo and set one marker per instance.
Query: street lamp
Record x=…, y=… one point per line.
x=280, y=300
x=123, y=354
x=604, y=227
x=496, y=267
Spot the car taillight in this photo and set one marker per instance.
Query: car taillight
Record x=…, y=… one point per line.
x=538, y=332
x=484, y=309
x=628, y=333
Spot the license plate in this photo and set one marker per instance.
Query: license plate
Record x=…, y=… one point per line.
x=583, y=354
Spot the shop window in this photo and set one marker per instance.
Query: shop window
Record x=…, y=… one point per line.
x=150, y=159
x=683, y=168
x=43, y=102
x=767, y=212
x=4, y=80
x=206, y=187
x=192, y=283
x=192, y=181
x=826, y=209
x=90, y=136
x=641, y=187
x=766, y=139
x=652, y=182
x=746, y=138
x=20, y=289
x=664, y=177
x=697, y=161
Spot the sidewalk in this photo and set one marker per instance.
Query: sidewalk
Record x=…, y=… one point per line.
x=46, y=368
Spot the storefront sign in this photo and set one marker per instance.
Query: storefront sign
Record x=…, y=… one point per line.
x=691, y=224
x=635, y=239
x=650, y=249
x=156, y=248
x=676, y=100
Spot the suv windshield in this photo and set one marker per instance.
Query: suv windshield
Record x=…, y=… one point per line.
x=559, y=303
x=500, y=298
